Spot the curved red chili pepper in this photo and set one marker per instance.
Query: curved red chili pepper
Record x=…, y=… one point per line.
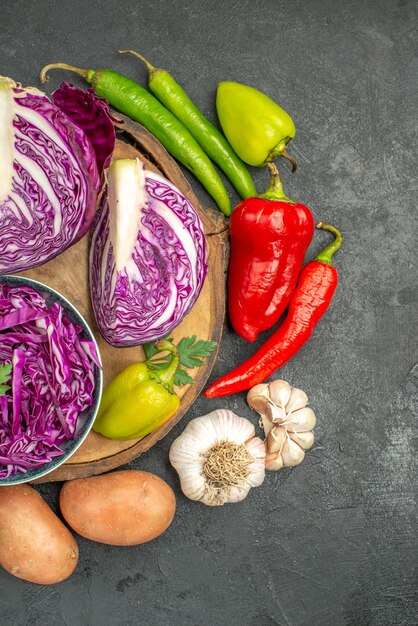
x=309, y=302
x=270, y=234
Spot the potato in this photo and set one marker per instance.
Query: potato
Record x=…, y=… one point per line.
x=123, y=508
x=34, y=543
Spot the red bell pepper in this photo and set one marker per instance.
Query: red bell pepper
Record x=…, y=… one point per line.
x=270, y=234
x=309, y=302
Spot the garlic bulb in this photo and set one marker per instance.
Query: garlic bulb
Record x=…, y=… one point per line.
x=218, y=458
x=286, y=420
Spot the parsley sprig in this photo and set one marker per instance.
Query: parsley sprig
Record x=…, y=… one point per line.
x=191, y=350
x=5, y=372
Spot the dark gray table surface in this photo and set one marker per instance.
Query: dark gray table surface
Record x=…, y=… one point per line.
x=332, y=541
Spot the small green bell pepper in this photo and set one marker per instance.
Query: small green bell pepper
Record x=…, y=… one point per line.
x=255, y=126
x=139, y=399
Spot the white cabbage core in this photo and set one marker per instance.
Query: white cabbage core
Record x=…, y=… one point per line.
x=6, y=138
x=126, y=184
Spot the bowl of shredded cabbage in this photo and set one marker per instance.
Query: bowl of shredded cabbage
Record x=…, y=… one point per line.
x=50, y=379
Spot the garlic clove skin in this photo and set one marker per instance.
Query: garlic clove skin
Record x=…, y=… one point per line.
x=292, y=454
x=276, y=439
x=298, y=399
x=258, y=397
x=266, y=424
x=274, y=462
x=231, y=427
x=219, y=425
x=302, y=420
x=185, y=456
x=280, y=393
x=212, y=498
x=192, y=483
x=196, y=438
x=256, y=473
x=275, y=413
x=235, y=494
x=304, y=440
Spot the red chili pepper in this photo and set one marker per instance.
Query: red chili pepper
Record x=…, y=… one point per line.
x=270, y=234
x=309, y=302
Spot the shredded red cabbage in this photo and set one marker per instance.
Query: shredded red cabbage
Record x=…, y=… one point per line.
x=52, y=380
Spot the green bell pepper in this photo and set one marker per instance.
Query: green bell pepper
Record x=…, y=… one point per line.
x=139, y=399
x=256, y=127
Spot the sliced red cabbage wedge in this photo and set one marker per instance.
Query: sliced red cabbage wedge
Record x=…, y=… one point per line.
x=49, y=178
x=147, y=256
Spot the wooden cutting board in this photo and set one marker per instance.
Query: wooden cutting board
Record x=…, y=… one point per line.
x=68, y=274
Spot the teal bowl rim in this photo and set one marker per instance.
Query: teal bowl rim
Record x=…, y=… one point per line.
x=83, y=426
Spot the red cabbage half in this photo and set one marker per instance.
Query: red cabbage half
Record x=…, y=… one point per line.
x=49, y=173
x=52, y=379
x=147, y=256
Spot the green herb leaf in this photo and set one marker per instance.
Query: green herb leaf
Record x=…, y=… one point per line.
x=191, y=355
x=183, y=378
x=5, y=372
x=190, y=349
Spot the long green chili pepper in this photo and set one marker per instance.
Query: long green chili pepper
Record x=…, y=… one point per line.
x=137, y=103
x=216, y=146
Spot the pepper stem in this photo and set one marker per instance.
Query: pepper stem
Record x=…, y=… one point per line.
x=166, y=375
x=284, y=153
x=151, y=69
x=86, y=74
x=275, y=189
x=325, y=256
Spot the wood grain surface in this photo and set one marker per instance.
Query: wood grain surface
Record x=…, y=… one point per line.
x=68, y=274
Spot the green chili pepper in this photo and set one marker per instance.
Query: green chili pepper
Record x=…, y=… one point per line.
x=137, y=103
x=255, y=126
x=139, y=399
x=172, y=95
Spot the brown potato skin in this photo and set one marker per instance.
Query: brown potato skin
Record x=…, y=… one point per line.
x=124, y=508
x=34, y=543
